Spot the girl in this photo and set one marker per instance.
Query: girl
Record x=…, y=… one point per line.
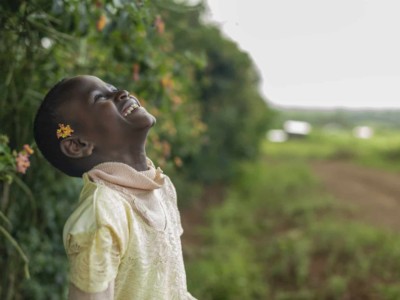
x=123, y=238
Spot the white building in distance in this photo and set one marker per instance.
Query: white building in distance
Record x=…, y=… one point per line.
x=277, y=136
x=363, y=132
x=297, y=128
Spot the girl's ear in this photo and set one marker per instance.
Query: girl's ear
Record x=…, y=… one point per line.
x=75, y=147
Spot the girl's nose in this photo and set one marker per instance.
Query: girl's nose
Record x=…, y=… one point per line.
x=121, y=95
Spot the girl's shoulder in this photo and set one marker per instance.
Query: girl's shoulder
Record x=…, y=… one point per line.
x=98, y=206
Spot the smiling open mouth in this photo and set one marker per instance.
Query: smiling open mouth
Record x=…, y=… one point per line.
x=131, y=109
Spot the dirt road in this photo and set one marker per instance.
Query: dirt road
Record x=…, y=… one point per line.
x=374, y=195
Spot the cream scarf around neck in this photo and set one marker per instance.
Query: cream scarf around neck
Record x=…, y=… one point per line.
x=124, y=176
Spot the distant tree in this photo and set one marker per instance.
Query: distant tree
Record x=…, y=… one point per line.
x=227, y=88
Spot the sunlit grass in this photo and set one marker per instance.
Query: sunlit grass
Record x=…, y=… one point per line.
x=278, y=235
x=381, y=151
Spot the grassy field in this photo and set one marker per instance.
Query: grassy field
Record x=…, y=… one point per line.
x=381, y=151
x=278, y=235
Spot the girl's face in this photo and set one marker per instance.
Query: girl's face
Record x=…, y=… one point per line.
x=103, y=114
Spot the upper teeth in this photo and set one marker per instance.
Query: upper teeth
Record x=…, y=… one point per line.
x=130, y=109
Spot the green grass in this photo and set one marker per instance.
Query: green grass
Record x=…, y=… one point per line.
x=382, y=151
x=278, y=236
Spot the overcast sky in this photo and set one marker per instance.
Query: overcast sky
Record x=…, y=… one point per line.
x=320, y=53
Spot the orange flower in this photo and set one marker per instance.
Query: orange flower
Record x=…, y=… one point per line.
x=159, y=24
x=23, y=162
x=154, y=111
x=178, y=161
x=28, y=150
x=167, y=83
x=166, y=148
x=176, y=100
x=64, y=131
x=135, y=74
x=101, y=23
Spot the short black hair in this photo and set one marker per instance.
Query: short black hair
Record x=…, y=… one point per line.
x=45, y=127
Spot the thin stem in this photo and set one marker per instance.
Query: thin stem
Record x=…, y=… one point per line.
x=18, y=248
x=5, y=219
x=11, y=283
x=5, y=197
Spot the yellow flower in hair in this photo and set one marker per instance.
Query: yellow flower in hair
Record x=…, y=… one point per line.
x=64, y=131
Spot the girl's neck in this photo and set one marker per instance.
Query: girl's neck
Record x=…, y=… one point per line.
x=132, y=153
x=137, y=161
x=132, y=156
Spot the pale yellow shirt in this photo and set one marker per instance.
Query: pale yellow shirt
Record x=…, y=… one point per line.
x=123, y=239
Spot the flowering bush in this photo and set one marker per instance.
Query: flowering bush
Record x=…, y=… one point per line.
x=11, y=161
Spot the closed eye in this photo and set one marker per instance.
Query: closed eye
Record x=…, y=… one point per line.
x=105, y=93
x=113, y=88
x=99, y=97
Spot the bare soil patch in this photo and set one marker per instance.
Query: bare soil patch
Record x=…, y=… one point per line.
x=374, y=195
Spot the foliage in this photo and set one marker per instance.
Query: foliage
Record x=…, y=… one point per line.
x=138, y=46
x=232, y=108
x=12, y=163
